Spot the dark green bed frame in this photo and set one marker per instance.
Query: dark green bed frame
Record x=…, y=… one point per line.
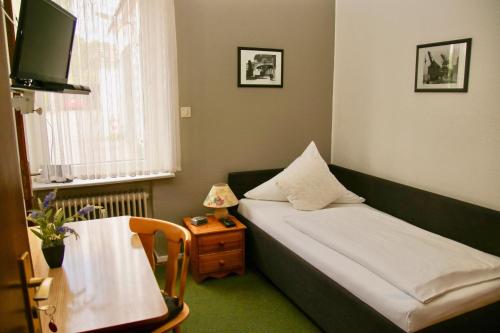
x=329, y=305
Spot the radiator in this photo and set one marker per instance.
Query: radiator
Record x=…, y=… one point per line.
x=113, y=204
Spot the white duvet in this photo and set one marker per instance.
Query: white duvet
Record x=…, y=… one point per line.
x=422, y=264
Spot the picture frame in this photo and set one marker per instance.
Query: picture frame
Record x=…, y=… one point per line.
x=443, y=66
x=260, y=67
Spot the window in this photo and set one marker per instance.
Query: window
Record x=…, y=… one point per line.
x=125, y=51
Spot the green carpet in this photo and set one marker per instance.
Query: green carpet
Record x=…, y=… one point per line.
x=241, y=304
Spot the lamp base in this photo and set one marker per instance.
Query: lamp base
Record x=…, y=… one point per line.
x=220, y=212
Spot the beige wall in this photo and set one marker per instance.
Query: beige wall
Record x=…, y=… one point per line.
x=447, y=143
x=247, y=128
x=235, y=129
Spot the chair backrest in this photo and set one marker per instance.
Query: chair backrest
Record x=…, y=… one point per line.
x=177, y=237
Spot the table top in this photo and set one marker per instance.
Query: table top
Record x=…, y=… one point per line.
x=212, y=226
x=105, y=281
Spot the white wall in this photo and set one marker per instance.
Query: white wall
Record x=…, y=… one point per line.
x=448, y=143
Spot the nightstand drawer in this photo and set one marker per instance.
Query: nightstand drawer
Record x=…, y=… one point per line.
x=218, y=262
x=220, y=242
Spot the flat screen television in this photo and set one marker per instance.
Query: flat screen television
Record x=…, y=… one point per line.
x=44, y=42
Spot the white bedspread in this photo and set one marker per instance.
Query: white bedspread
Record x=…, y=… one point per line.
x=421, y=264
x=399, y=307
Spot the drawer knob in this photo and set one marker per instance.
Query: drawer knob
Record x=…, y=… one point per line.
x=221, y=243
x=221, y=263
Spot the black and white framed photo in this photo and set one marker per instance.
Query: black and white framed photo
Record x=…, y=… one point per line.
x=258, y=67
x=443, y=66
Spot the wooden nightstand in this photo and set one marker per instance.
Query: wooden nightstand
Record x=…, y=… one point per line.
x=216, y=250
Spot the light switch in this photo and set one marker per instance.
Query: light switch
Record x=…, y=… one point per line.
x=186, y=112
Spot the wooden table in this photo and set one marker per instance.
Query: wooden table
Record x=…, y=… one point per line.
x=105, y=283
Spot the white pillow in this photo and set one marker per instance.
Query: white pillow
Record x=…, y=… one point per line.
x=308, y=183
x=270, y=191
x=267, y=191
x=349, y=197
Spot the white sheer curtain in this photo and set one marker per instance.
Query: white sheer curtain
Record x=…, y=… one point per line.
x=125, y=51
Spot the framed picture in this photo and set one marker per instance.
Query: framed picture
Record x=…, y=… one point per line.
x=443, y=66
x=258, y=67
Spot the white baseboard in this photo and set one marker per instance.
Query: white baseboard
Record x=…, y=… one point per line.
x=163, y=259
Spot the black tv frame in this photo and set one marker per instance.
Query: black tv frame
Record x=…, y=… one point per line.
x=34, y=80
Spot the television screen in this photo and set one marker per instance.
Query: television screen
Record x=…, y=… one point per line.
x=43, y=43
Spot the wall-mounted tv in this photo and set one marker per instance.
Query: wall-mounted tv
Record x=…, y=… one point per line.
x=43, y=47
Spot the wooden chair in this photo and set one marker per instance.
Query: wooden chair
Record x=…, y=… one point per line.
x=177, y=237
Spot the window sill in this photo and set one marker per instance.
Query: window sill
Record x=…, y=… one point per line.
x=96, y=182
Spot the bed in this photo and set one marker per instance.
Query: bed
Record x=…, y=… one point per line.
x=333, y=303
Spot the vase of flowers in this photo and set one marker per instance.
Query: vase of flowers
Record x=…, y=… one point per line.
x=54, y=255
x=51, y=229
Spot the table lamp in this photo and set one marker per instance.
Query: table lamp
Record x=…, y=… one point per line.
x=220, y=197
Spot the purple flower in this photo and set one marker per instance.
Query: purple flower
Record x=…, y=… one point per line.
x=65, y=230
x=34, y=214
x=48, y=199
x=86, y=210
